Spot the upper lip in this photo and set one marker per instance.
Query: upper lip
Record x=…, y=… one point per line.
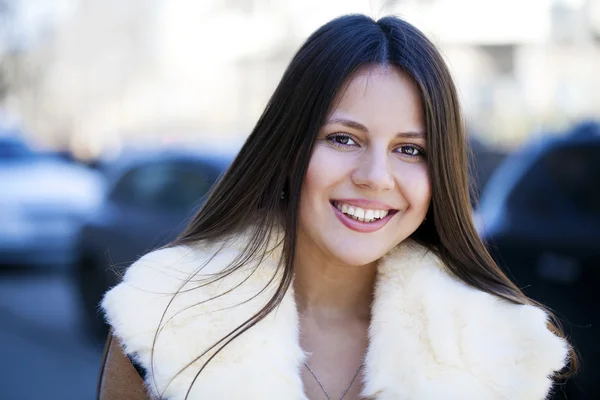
x=364, y=203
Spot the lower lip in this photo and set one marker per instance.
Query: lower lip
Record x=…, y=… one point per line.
x=363, y=227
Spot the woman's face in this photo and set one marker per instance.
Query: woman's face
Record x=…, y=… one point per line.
x=367, y=187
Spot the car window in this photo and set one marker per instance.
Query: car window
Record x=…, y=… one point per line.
x=575, y=171
x=171, y=187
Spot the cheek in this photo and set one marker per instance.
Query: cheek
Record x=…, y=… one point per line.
x=324, y=170
x=313, y=185
x=415, y=185
x=312, y=182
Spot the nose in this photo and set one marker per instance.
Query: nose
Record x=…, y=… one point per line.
x=373, y=171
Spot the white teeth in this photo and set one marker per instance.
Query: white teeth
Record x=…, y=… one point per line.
x=360, y=214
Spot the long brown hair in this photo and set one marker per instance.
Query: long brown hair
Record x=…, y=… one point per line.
x=275, y=157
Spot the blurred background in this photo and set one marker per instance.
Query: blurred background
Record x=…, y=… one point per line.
x=117, y=116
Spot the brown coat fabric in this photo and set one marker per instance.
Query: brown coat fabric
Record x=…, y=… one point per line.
x=118, y=377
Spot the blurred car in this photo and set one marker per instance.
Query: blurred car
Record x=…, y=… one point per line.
x=540, y=215
x=546, y=196
x=43, y=200
x=483, y=160
x=149, y=200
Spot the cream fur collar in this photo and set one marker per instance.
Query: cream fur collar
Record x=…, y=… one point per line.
x=431, y=336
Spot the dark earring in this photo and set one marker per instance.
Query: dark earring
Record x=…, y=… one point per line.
x=282, y=195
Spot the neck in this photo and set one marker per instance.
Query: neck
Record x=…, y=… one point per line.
x=326, y=289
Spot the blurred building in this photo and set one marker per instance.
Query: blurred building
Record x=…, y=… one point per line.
x=521, y=66
x=163, y=71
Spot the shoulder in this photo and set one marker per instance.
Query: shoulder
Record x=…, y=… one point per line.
x=168, y=309
x=508, y=347
x=169, y=285
x=136, y=306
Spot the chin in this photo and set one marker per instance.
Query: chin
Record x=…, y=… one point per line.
x=357, y=256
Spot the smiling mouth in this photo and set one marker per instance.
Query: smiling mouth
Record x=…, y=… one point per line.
x=360, y=214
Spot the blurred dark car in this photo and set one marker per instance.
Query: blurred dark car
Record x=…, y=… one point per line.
x=540, y=215
x=43, y=200
x=150, y=199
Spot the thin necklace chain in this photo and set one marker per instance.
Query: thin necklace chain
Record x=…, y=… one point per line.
x=323, y=388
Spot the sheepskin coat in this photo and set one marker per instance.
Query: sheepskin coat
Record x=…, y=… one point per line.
x=431, y=336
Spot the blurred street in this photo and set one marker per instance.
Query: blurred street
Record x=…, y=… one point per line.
x=41, y=339
x=117, y=118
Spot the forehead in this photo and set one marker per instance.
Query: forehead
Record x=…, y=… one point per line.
x=380, y=97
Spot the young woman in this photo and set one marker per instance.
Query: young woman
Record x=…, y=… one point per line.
x=337, y=257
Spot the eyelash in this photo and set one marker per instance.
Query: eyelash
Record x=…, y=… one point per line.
x=331, y=139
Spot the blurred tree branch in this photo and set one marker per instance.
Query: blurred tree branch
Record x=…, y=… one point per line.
x=6, y=13
x=17, y=72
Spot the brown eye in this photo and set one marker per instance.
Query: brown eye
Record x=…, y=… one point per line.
x=411, y=151
x=341, y=140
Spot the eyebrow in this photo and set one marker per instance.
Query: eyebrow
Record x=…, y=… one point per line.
x=360, y=127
